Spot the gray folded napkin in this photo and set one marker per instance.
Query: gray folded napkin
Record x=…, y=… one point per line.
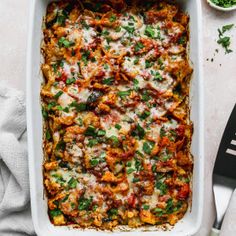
x=15, y=215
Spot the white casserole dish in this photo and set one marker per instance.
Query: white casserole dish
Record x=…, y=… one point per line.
x=190, y=224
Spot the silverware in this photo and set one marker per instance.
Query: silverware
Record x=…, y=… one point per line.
x=224, y=173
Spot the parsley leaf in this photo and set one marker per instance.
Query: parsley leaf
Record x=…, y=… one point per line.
x=139, y=131
x=90, y=131
x=70, y=80
x=55, y=212
x=149, y=31
x=124, y=93
x=84, y=203
x=162, y=187
x=227, y=27
x=72, y=183
x=148, y=146
x=112, y=18
x=94, y=162
x=58, y=94
x=225, y=43
x=78, y=106
x=85, y=57
x=138, y=46
x=63, y=42
x=156, y=76
x=129, y=29
x=108, y=81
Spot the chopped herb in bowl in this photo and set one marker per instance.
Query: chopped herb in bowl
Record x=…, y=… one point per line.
x=224, y=5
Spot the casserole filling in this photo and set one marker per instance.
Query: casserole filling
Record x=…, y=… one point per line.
x=117, y=132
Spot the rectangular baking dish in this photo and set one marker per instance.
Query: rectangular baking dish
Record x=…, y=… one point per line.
x=191, y=222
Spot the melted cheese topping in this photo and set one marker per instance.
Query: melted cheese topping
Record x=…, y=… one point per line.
x=115, y=102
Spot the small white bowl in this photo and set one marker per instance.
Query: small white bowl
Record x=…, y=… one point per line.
x=221, y=8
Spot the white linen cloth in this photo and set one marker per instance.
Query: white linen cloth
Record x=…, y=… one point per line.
x=15, y=215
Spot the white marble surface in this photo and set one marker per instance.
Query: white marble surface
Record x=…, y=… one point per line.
x=219, y=81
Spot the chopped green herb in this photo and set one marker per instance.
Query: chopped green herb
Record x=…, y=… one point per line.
x=106, y=67
x=59, y=179
x=94, y=96
x=130, y=170
x=227, y=27
x=138, y=46
x=85, y=57
x=92, y=142
x=149, y=31
x=112, y=18
x=124, y=93
x=139, y=153
x=72, y=204
x=136, y=60
x=135, y=180
x=182, y=40
x=51, y=105
x=108, y=39
x=63, y=42
x=148, y=64
x=225, y=42
x=117, y=126
x=101, y=132
x=105, y=32
x=113, y=211
x=58, y=94
x=61, y=145
x=162, y=187
x=129, y=164
x=94, y=162
x=138, y=164
x=61, y=17
x=118, y=29
x=84, y=24
x=136, y=83
x=107, y=47
x=139, y=131
x=169, y=207
x=44, y=113
x=66, y=109
x=72, y=182
x=115, y=141
x=224, y=3
x=145, y=114
x=156, y=75
x=129, y=29
x=78, y=106
x=65, y=198
x=154, y=167
x=158, y=211
x=55, y=212
x=84, y=203
x=145, y=96
x=70, y=80
x=108, y=81
x=48, y=135
x=146, y=207
x=162, y=132
x=90, y=131
x=95, y=207
x=148, y=146
x=160, y=62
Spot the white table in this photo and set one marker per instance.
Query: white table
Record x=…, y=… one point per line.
x=220, y=81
